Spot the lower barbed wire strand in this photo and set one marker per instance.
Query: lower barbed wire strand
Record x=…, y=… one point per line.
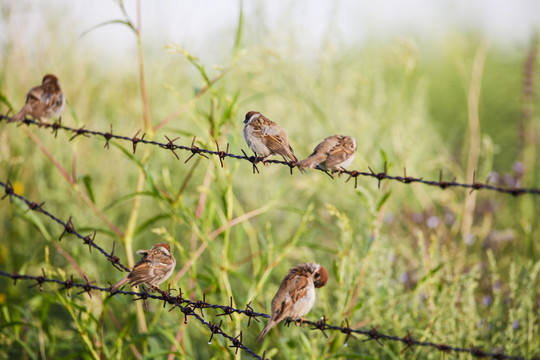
x=188, y=307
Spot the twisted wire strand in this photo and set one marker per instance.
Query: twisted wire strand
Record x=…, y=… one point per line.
x=188, y=308
x=68, y=225
x=353, y=174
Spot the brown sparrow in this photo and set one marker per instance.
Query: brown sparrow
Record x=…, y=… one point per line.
x=334, y=153
x=296, y=295
x=43, y=102
x=266, y=138
x=156, y=265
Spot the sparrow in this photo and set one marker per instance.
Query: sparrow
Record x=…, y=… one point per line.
x=334, y=153
x=296, y=295
x=43, y=102
x=156, y=265
x=266, y=138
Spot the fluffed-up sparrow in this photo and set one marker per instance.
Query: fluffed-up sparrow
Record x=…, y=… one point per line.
x=156, y=265
x=265, y=138
x=296, y=295
x=43, y=102
x=334, y=153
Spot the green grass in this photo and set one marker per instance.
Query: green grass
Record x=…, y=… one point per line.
x=405, y=101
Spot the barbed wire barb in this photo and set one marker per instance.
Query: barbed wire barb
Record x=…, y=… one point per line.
x=108, y=136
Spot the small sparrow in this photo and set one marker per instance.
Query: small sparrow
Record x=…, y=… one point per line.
x=334, y=153
x=43, y=102
x=266, y=138
x=296, y=295
x=156, y=265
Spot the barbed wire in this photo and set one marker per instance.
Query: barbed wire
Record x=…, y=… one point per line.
x=189, y=308
x=69, y=228
x=353, y=174
x=165, y=296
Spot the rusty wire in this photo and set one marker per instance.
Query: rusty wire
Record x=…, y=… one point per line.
x=353, y=174
x=68, y=226
x=189, y=308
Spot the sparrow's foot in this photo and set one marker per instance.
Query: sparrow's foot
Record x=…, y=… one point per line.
x=265, y=159
x=42, y=123
x=340, y=171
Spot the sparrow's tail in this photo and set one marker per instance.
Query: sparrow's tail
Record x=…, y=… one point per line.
x=265, y=331
x=20, y=115
x=119, y=284
x=311, y=162
x=289, y=156
x=288, y=153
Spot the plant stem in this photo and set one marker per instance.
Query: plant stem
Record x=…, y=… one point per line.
x=473, y=101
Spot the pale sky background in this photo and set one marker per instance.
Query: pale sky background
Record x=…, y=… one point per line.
x=206, y=27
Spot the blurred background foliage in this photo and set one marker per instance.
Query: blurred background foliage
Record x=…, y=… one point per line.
x=450, y=266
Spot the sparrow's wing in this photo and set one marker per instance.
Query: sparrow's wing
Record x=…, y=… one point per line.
x=293, y=288
x=277, y=141
x=279, y=144
x=273, y=137
x=342, y=150
x=321, y=152
x=144, y=273
x=148, y=270
x=327, y=145
x=35, y=102
x=35, y=94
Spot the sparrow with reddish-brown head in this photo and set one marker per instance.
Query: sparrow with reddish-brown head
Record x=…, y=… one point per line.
x=334, y=153
x=43, y=102
x=265, y=138
x=156, y=265
x=296, y=295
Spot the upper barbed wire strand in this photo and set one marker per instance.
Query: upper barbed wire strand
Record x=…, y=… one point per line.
x=195, y=150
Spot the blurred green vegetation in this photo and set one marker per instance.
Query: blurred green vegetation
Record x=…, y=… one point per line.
x=399, y=257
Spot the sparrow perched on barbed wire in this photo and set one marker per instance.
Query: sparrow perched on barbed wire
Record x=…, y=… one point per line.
x=334, y=153
x=265, y=138
x=296, y=294
x=43, y=102
x=156, y=265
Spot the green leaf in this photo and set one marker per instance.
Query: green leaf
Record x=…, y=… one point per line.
x=430, y=274
x=239, y=31
x=145, y=225
x=383, y=200
x=4, y=100
x=110, y=22
x=88, y=184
